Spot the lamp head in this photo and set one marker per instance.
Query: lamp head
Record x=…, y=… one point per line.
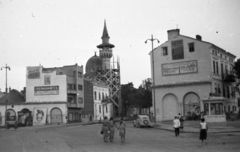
x=146, y=41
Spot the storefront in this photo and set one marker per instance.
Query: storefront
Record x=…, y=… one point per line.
x=74, y=115
x=213, y=109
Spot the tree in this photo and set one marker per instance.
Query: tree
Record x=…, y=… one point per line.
x=127, y=97
x=237, y=73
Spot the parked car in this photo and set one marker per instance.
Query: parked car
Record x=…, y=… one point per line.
x=12, y=122
x=142, y=121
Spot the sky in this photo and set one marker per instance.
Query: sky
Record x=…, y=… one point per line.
x=55, y=33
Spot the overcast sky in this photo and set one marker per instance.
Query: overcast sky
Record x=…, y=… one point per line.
x=55, y=33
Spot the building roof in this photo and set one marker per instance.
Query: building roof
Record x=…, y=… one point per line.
x=213, y=45
x=93, y=64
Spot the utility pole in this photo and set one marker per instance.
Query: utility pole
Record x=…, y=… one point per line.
x=153, y=77
x=7, y=68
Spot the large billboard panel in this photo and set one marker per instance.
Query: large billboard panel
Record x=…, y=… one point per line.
x=46, y=90
x=179, y=68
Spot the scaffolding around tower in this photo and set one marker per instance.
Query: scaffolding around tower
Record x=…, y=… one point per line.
x=112, y=78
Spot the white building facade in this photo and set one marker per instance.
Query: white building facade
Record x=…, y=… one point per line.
x=102, y=106
x=188, y=70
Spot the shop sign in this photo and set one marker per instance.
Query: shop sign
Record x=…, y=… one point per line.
x=179, y=68
x=46, y=90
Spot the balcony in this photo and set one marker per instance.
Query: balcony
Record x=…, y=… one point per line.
x=229, y=78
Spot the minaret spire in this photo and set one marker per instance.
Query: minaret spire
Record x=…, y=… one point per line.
x=105, y=38
x=105, y=32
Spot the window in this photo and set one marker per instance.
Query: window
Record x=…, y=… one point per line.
x=74, y=73
x=95, y=95
x=206, y=109
x=74, y=86
x=224, y=91
x=99, y=95
x=103, y=95
x=106, y=109
x=216, y=108
x=99, y=108
x=213, y=66
x=191, y=47
x=165, y=51
x=221, y=55
x=69, y=86
x=229, y=108
x=228, y=92
x=79, y=87
x=79, y=74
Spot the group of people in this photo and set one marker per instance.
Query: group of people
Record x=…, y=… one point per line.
x=178, y=126
x=108, y=129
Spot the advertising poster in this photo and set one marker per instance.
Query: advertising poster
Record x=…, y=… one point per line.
x=47, y=79
x=46, y=90
x=177, y=50
x=33, y=72
x=179, y=68
x=39, y=116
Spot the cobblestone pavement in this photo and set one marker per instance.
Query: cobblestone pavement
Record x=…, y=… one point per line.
x=78, y=138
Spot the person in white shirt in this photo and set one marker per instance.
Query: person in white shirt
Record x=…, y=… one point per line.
x=176, y=125
x=203, y=130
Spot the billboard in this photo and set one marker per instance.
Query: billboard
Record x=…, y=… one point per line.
x=33, y=72
x=179, y=68
x=39, y=116
x=46, y=90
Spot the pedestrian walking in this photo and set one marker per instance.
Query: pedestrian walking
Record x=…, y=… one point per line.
x=112, y=129
x=105, y=129
x=176, y=125
x=181, y=123
x=121, y=129
x=203, y=130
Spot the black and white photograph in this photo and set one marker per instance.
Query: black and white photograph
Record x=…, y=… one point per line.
x=119, y=76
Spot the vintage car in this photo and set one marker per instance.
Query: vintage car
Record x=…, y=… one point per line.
x=142, y=121
x=11, y=122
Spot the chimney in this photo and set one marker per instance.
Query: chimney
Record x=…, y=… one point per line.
x=198, y=37
x=173, y=33
x=10, y=89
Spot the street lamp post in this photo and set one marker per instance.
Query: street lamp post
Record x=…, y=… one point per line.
x=7, y=68
x=153, y=81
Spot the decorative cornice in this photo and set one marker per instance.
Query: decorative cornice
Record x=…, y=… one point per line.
x=34, y=103
x=181, y=84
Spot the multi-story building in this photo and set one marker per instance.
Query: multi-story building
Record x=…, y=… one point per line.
x=97, y=104
x=56, y=94
x=188, y=70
